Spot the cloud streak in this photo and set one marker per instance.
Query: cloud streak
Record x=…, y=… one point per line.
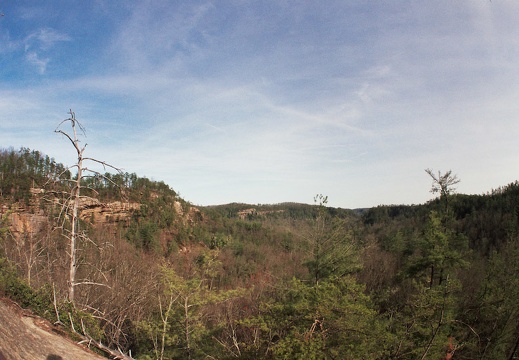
x=42, y=42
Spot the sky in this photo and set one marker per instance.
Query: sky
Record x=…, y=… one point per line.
x=265, y=102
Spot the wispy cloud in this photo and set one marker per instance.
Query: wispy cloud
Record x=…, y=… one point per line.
x=41, y=42
x=159, y=35
x=41, y=64
x=44, y=39
x=7, y=44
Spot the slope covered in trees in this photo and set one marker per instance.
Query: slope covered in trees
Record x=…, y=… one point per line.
x=172, y=281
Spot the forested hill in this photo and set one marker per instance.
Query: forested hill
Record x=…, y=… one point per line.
x=25, y=169
x=288, y=210
x=162, y=279
x=488, y=220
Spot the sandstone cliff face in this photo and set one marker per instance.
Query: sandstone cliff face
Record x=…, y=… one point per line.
x=94, y=211
x=242, y=214
x=30, y=220
x=191, y=216
x=26, y=223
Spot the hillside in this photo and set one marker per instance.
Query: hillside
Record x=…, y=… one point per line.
x=160, y=278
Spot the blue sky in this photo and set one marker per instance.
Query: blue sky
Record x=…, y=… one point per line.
x=271, y=101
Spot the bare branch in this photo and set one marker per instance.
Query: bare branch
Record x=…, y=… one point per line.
x=92, y=283
x=114, y=354
x=104, y=163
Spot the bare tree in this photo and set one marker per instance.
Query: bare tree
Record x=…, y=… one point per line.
x=30, y=249
x=71, y=204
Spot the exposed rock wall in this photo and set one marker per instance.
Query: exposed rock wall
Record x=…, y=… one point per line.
x=93, y=211
x=30, y=220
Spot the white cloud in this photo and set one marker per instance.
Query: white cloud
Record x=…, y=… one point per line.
x=41, y=64
x=41, y=42
x=44, y=39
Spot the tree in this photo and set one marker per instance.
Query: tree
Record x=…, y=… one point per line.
x=426, y=319
x=182, y=328
x=30, y=246
x=443, y=184
x=440, y=251
x=332, y=248
x=422, y=325
x=330, y=320
x=71, y=204
x=495, y=317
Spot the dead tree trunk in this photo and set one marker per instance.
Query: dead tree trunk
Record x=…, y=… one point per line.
x=74, y=199
x=72, y=202
x=75, y=210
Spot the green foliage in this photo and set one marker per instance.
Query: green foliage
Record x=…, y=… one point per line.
x=79, y=320
x=179, y=329
x=144, y=235
x=17, y=289
x=439, y=251
x=219, y=241
x=249, y=226
x=387, y=213
x=40, y=301
x=487, y=221
x=20, y=170
x=331, y=243
x=331, y=319
x=495, y=315
x=421, y=326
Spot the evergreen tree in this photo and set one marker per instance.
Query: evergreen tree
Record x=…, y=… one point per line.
x=332, y=245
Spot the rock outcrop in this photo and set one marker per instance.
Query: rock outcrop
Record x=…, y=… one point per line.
x=25, y=336
x=94, y=211
x=31, y=220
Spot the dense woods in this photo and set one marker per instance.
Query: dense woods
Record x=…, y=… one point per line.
x=168, y=280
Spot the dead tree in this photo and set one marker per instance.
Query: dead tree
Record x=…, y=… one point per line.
x=71, y=205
